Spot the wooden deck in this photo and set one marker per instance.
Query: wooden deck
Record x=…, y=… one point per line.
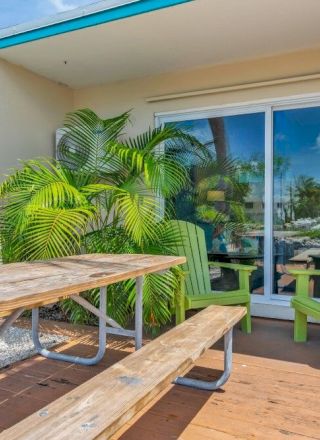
x=273, y=393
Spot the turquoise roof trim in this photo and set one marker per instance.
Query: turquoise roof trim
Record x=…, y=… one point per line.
x=117, y=13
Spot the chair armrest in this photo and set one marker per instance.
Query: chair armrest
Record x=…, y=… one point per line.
x=302, y=283
x=243, y=270
x=234, y=266
x=305, y=272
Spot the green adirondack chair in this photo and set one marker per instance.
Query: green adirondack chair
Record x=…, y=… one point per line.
x=196, y=291
x=303, y=305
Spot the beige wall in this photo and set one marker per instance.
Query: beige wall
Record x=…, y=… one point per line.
x=111, y=99
x=31, y=108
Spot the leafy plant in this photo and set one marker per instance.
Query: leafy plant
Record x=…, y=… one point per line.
x=220, y=176
x=306, y=197
x=103, y=194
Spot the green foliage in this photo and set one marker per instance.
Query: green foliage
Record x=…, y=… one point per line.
x=103, y=194
x=306, y=197
x=42, y=214
x=222, y=175
x=311, y=234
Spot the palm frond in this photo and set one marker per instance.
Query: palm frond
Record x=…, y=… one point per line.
x=84, y=144
x=53, y=232
x=158, y=293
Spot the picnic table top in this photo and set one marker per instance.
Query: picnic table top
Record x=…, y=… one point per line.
x=305, y=256
x=30, y=284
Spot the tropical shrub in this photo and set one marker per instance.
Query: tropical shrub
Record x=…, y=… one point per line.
x=104, y=193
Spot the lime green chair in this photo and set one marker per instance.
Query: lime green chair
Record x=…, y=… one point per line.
x=196, y=291
x=303, y=305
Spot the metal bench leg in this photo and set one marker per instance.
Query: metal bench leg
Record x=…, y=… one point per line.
x=211, y=386
x=74, y=359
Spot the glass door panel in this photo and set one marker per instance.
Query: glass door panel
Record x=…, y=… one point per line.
x=226, y=195
x=296, y=201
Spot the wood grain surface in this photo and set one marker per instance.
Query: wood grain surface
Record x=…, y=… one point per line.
x=99, y=407
x=37, y=283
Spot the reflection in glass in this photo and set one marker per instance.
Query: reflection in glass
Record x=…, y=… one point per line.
x=296, y=215
x=226, y=194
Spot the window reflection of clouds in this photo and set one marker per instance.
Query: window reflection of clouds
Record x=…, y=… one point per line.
x=297, y=137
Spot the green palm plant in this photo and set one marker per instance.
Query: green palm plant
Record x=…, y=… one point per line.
x=104, y=193
x=219, y=175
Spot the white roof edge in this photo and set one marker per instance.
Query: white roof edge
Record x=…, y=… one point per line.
x=98, y=6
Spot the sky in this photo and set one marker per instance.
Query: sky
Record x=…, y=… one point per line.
x=13, y=12
x=297, y=137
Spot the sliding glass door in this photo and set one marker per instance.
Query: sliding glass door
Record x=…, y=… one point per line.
x=226, y=195
x=257, y=195
x=296, y=195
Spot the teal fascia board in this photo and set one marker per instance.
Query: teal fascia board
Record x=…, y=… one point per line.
x=117, y=13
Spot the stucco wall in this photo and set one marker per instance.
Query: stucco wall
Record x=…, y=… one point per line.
x=111, y=99
x=31, y=108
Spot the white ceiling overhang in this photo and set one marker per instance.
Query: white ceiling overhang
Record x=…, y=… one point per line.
x=191, y=34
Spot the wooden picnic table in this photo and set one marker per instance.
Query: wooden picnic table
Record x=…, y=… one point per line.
x=305, y=257
x=230, y=277
x=30, y=285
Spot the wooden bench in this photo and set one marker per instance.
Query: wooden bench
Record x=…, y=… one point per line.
x=101, y=406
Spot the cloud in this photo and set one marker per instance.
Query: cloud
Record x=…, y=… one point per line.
x=316, y=146
x=281, y=137
x=62, y=5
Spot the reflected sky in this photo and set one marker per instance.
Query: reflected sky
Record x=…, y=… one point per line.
x=297, y=138
x=244, y=134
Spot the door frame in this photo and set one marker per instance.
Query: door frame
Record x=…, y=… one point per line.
x=269, y=305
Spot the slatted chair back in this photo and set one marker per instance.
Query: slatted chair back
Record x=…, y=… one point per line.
x=193, y=247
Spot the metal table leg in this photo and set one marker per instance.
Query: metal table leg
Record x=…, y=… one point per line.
x=10, y=320
x=138, y=331
x=214, y=385
x=74, y=359
x=113, y=328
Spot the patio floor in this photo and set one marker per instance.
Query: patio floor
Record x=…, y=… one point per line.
x=273, y=393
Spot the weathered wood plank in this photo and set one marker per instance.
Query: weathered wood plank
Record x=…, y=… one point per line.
x=32, y=283
x=96, y=409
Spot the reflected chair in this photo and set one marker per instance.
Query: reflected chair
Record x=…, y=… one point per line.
x=196, y=291
x=303, y=305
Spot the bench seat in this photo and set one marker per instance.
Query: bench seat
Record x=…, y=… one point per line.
x=101, y=406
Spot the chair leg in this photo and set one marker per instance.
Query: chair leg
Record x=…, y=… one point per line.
x=180, y=312
x=180, y=304
x=246, y=321
x=300, y=327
